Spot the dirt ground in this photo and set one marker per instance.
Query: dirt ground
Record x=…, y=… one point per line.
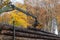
x=3, y=37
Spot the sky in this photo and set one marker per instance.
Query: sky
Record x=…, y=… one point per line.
x=19, y=1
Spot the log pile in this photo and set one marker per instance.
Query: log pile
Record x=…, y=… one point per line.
x=32, y=33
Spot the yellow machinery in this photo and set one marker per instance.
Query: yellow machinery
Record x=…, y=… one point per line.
x=19, y=17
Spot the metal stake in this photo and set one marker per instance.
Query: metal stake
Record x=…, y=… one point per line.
x=13, y=30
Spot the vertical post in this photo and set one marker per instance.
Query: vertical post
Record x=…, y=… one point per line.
x=13, y=25
x=13, y=30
